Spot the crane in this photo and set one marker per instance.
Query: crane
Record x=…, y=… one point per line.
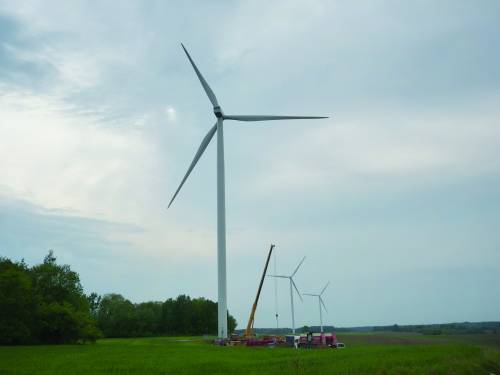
x=248, y=331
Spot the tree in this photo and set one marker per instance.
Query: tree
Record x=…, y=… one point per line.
x=186, y=316
x=46, y=304
x=57, y=283
x=17, y=307
x=43, y=304
x=94, y=301
x=116, y=316
x=231, y=323
x=64, y=312
x=147, y=318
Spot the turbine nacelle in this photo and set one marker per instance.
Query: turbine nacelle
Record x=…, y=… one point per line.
x=218, y=112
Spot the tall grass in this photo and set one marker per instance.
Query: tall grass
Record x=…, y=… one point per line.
x=171, y=356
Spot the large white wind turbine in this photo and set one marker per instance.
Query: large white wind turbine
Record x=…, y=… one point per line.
x=221, y=210
x=292, y=286
x=320, y=303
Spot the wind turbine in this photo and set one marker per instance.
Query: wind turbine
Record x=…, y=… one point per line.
x=292, y=286
x=320, y=303
x=221, y=206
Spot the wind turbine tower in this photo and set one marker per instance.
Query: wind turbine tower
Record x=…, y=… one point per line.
x=221, y=205
x=320, y=303
x=292, y=286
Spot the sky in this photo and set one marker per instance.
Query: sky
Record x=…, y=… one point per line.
x=394, y=199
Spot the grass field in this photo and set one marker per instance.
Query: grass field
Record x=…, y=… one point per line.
x=365, y=354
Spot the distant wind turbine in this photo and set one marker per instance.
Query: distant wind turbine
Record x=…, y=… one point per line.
x=321, y=303
x=292, y=286
x=221, y=209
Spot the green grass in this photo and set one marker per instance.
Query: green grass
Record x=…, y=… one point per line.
x=365, y=354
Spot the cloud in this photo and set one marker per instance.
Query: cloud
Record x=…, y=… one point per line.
x=101, y=113
x=61, y=160
x=395, y=149
x=95, y=247
x=28, y=231
x=171, y=114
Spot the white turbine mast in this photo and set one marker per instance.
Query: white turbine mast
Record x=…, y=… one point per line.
x=320, y=303
x=221, y=209
x=276, y=313
x=292, y=286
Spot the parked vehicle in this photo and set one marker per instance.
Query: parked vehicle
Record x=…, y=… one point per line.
x=318, y=340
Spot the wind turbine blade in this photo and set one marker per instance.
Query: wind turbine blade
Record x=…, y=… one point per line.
x=281, y=277
x=296, y=269
x=201, y=149
x=269, y=118
x=326, y=286
x=204, y=83
x=295, y=286
x=321, y=300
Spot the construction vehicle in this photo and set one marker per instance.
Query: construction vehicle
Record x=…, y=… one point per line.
x=249, y=331
x=318, y=340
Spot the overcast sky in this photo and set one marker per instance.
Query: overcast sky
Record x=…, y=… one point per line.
x=394, y=199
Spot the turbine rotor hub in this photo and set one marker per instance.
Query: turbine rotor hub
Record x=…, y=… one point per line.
x=218, y=112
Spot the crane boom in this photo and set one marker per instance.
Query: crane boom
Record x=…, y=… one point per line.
x=248, y=331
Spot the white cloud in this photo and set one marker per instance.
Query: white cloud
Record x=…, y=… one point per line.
x=392, y=149
x=60, y=160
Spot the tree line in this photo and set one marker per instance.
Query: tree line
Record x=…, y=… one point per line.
x=46, y=304
x=445, y=328
x=118, y=317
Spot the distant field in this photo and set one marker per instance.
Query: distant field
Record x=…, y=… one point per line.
x=385, y=353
